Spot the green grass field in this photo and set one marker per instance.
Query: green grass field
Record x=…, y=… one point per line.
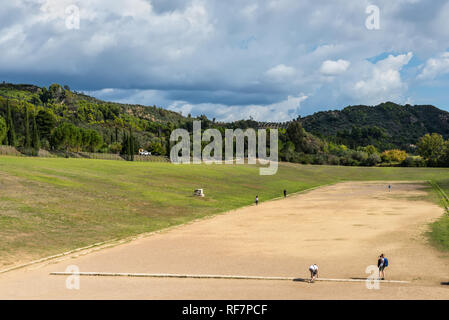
x=51, y=205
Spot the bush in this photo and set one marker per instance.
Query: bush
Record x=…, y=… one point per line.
x=348, y=161
x=115, y=147
x=319, y=159
x=394, y=155
x=408, y=162
x=333, y=160
x=360, y=156
x=414, y=162
x=373, y=159
x=420, y=162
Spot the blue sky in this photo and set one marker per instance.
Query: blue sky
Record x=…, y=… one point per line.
x=271, y=60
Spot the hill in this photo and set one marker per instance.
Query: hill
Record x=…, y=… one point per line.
x=387, y=125
x=58, y=104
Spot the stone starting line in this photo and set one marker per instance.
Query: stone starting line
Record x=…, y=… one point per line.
x=206, y=276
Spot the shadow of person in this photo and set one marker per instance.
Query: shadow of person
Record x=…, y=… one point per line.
x=301, y=280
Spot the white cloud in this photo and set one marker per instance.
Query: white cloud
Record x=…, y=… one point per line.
x=277, y=112
x=435, y=67
x=281, y=73
x=233, y=54
x=333, y=68
x=99, y=43
x=383, y=81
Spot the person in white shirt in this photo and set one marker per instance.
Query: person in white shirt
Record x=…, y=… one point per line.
x=313, y=272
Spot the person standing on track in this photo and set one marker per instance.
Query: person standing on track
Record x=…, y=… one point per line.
x=313, y=272
x=285, y=193
x=257, y=200
x=382, y=263
x=389, y=187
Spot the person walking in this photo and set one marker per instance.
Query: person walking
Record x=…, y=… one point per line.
x=257, y=200
x=285, y=193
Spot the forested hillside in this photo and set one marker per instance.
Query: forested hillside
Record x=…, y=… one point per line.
x=385, y=126
x=65, y=123
x=74, y=113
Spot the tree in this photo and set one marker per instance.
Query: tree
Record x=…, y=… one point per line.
x=131, y=145
x=157, y=148
x=35, y=141
x=56, y=92
x=11, y=133
x=296, y=134
x=373, y=159
x=46, y=122
x=431, y=147
x=35, y=99
x=66, y=136
x=3, y=129
x=27, y=129
x=85, y=138
x=444, y=158
x=167, y=147
x=45, y=95
x=126, y=147
x=115, y=147
x=95, y=140
x=370, y=149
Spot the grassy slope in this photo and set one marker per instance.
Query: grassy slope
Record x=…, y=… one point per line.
x=52, y=205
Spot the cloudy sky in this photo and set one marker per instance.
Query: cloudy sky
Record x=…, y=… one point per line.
x=231, y=59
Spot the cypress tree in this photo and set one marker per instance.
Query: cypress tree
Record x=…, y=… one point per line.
x=27, y=129
x=129, y=145
x=125, y=146
x=133, y=146
x=167, y=152
x=35, y=141
x=11, y=134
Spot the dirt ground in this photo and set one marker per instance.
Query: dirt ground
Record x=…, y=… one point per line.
x=342, y=228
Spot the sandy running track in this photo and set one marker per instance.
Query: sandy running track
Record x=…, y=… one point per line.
x=342, y=228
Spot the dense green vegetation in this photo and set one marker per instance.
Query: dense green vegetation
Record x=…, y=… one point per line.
x=65, y=122
x=71, y=121
x=52, y=205
x=386, y=126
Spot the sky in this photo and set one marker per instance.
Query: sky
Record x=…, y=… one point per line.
x=269, y=60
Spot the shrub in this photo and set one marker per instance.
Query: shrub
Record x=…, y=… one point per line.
x=360, y=156
x=333, y=160
x=373, y=159
x=393, y=155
